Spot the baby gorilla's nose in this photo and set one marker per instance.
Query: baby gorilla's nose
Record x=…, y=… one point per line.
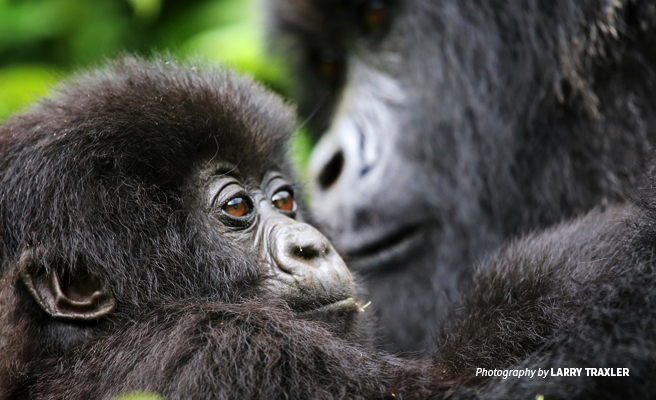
x=306, y=256
x=306, y=245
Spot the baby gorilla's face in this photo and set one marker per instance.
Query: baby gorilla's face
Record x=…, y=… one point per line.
x=258, y=216
x=166, y=185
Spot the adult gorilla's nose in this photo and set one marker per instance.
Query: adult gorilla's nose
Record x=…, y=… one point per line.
x=329, y=173
x=329, y=160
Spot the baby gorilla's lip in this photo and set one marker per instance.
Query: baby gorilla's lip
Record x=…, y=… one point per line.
x=321, y=308
x=341, y=316
x=312, y=302
x=387, y=250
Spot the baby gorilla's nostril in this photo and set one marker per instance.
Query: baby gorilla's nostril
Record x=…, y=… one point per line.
x=306, y=252
x=331, y=171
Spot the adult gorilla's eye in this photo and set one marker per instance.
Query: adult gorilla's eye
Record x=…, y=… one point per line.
x=374, y=15
x=283, y=200
x=328, y=63
x=237, y=207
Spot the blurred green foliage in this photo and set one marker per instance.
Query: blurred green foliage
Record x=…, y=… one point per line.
x=42, y=41
x=138, y=396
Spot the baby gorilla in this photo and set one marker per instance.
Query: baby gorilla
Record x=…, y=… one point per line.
x=150, y=241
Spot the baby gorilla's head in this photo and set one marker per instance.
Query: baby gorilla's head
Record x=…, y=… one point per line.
x=145, y=183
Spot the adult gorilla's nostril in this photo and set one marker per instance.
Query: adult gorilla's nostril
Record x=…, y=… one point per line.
x=331, y=171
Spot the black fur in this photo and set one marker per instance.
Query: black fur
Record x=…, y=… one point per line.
x=226, y=351
x=578, y=295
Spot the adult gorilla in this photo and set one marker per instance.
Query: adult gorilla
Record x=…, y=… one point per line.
x=453, y=125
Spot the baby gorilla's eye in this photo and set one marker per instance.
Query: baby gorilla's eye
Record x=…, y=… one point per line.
x=237, y=207
x=283, y=200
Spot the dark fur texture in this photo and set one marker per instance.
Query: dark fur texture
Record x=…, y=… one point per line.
x=221, y=351
x=461, y=124
x=577, y=295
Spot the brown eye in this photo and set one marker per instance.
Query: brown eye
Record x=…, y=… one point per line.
x=283, y=200
x=237, y=207
x=374, y=15
x=329, y=67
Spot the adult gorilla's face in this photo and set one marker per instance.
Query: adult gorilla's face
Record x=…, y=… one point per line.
x=402, y=155
x=445, y=127
x=396, y=174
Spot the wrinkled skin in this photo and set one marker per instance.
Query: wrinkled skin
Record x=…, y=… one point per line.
x=302, y=266
x=447, y=127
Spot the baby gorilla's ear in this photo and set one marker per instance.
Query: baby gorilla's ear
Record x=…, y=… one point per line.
x=77, y=297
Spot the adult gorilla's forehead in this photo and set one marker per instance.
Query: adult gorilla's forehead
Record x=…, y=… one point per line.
x=155, y=119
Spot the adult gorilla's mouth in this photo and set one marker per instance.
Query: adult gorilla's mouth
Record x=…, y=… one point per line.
x=386, y=251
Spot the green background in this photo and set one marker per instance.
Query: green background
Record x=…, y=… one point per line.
x=43, y=41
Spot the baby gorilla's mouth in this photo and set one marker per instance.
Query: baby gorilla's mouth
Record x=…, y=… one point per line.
x=306, y=307
x=342, y=316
